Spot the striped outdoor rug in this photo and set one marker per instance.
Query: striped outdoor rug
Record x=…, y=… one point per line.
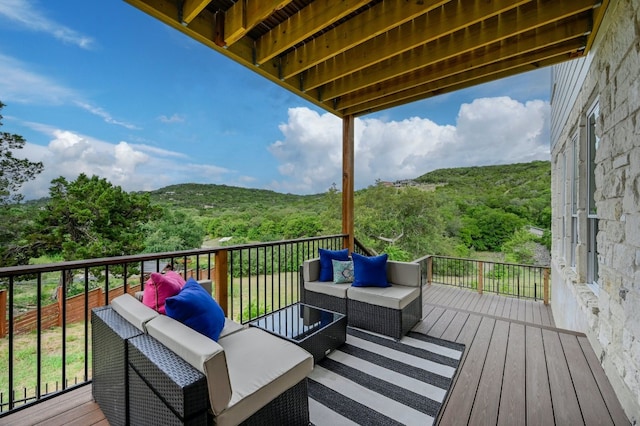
x=373, y=380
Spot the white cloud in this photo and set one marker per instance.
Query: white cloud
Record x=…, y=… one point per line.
x=29, y=14
x=131, y=166
x=175, y=118
x=488, y=131
x=20, y=85
x=104, y=115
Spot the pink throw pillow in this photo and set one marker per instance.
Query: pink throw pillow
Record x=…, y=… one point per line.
x=159, y=287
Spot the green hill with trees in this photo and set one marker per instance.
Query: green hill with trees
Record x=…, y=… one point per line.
x=456, y=212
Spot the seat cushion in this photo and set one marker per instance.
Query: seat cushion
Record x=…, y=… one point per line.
x=230, y=327
x=201, y=352
x=261, y=367
x=328, y=288
x=394, y=297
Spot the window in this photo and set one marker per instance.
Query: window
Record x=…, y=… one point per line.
x=592, y=213
x=563, y=206
x=574, y=200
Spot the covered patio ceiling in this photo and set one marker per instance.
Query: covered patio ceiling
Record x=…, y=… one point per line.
x=353, y=57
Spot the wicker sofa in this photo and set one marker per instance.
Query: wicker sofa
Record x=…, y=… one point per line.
x=391, y=311
x=151, y=369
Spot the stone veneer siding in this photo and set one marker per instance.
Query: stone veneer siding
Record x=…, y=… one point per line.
x=611, y=316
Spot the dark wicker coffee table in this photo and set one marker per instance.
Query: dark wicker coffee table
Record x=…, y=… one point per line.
x=316, y=330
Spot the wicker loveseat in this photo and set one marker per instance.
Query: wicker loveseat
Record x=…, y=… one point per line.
x=151, y=369
x=391, y=311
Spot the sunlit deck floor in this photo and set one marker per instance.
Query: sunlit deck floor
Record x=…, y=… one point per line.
x=517, y=369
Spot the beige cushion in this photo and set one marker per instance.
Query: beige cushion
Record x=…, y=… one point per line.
x=404, y=273
x=201, y=352
x=230, y=327
x=328, y=287
x=311, y=269
x=133, y=311
x=394, y=297
x=261, y=367
x=207, y=285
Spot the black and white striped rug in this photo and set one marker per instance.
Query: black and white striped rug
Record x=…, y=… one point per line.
x=373, y=380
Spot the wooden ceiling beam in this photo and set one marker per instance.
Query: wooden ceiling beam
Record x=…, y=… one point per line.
x=244, y=15
x=372, y=22
x=467, y=78
x=315, y=17
x=458, y=70
x=203, y=28
x=438, y=53
x=508, y=24
x=191, y=9
x=485, y=79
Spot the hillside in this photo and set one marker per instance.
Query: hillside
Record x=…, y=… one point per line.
x=209, y=196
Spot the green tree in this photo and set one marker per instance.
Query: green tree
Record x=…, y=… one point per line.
x=90, y=218
x=174, y=231
x=14, y=249
x=13, y=171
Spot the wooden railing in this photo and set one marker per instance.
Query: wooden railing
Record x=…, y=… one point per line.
x=509, y=279
x=38, y=332
x=45, y=343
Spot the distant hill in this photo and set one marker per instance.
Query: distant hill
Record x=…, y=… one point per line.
x=536, y=173
x=209, y=196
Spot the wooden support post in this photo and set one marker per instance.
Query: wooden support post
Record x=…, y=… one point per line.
x=546, y=286
x=3, y=313
x=347, y=180
x=220, y=279
x=429, y=270
x=480, y=277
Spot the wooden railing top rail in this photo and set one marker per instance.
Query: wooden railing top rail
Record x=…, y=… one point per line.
x=484, y=261
x=118, y=260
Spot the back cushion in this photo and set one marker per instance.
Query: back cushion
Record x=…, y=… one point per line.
x=159, y=287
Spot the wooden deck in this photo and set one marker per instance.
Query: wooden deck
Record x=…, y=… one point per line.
x=517, y=369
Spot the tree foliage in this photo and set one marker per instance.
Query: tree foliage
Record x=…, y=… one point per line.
x=175, y=230
x=14, y=171
x=14, y=249
x=90, y=218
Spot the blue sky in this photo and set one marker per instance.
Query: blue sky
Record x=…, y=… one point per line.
x=102, y=88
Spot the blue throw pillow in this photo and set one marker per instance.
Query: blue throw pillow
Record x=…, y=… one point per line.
x=195, y=308
x=370, y=271
x=326, y=266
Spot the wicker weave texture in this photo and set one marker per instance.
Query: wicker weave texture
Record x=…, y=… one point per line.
x=327, y=339
x=289, y=408
x=324, y=301
x=167, y=380
x=379, y=319
x=109, y=332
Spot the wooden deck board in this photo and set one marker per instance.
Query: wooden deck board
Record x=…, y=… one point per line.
x=512, y=372
x=487, y=400
x=512, y=399
x=461, y=398
x=538, y=396
x=587, y=392
x=566, y=409
x=613, y=406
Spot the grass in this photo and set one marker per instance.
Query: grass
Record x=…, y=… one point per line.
x=25, y=360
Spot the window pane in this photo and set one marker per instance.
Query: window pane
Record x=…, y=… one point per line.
x=592, y=146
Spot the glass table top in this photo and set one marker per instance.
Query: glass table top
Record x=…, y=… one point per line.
x=296, y=322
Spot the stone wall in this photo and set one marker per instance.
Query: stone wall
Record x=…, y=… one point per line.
x=610, y=314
